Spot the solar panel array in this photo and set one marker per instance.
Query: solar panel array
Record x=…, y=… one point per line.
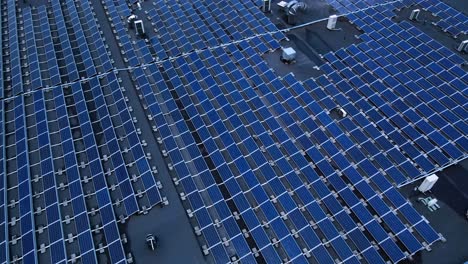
x=348, y=6
x=181, y=28
x=254, y=161
x=253, y=178
x=71, y=159
x=451, y=20
x=405, y=93
x=43, y=67
x=265, y=172
x=72, y=165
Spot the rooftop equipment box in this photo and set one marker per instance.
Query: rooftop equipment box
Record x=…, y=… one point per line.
x=289, y=54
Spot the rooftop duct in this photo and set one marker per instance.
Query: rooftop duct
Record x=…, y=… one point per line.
x=295, y=6
x=292, y=9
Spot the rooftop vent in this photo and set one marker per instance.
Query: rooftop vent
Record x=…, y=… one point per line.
x=414, y=14
x=130, y=20
x=331, y=25
x=428, y=183
x=266, y=6
x=292, y=9
x=463, y=46
x=342, y=112
x=140, y=28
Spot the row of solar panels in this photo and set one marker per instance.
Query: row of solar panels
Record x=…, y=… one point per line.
x=13, y=54
x=81, y=48
x=183, y=28
x=3, y=223
x=451, y=20
x=124, y=8
x=348, y=6
x=1, y=56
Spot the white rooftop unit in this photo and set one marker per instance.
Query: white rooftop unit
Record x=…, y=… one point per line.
x=282, y=5
x=428, y=182
x=140, y=28
x=289, y=54
x=432, y=202
x=131, y=18
x=266, y=6
x=414, y=14
x=463, y=46
x=332, y=22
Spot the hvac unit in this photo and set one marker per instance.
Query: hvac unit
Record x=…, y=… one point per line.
x=332, y=22
x=414, y=14
x=463, y=46
x=266, y=6
x=428, y=182
x=140, y=28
